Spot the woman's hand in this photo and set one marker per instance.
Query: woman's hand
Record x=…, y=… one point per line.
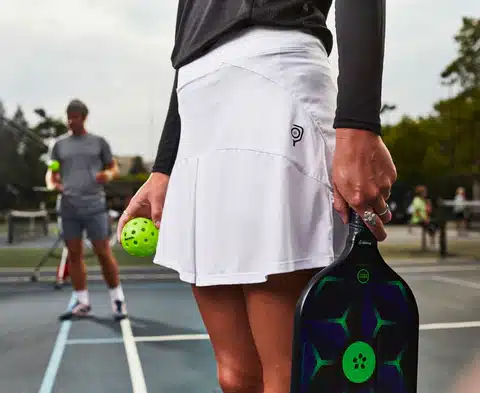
x=363, y=174
x=147, y=202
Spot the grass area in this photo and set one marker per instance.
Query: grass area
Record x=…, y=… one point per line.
x=29, y=257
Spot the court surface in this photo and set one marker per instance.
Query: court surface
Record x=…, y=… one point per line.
x=163, y=347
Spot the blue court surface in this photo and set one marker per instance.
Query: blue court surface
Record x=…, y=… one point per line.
x=163, y=347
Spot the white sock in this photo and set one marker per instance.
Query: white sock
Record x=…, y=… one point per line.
x=117, y=294
x=82, y=296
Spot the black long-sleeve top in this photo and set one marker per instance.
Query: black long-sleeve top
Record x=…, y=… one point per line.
x=360, y=28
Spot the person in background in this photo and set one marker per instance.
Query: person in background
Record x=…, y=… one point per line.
x=418, y=207
x=86, y=165
x=460, y=211
x=434, y=216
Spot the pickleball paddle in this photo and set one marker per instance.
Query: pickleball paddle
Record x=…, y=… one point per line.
x=356, y=325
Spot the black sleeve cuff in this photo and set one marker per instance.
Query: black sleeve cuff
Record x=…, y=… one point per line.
x=358, y=125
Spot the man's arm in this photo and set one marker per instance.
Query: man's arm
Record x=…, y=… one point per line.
x=360, y=27
x=52, y=179
x=168, y=146
x=111, y=170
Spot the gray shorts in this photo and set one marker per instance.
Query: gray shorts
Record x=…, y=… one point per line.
x=97, y=227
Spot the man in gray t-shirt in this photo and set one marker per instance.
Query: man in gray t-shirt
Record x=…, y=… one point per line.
x=86, y=164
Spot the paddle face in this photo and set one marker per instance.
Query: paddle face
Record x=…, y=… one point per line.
x=356, y=326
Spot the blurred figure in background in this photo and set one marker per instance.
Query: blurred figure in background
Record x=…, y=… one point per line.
x=460, y=211
x=86, y=166
x=432, y=225
x=418, y=208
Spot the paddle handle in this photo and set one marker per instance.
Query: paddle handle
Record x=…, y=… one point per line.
x=356, y=221
x=358, y=226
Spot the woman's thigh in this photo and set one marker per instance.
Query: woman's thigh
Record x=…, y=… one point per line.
x=224, y=313
x=271, y=310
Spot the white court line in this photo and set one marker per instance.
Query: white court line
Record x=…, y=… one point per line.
x=450, y=325
x=95, y=341
x=178, y=337
x=456, y=281
x=134, y=365
x=57, y=354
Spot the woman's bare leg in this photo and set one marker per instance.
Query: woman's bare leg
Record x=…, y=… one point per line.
x=271, y=310
x=224, y=314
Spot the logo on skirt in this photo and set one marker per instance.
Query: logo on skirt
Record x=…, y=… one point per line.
x=297, y=134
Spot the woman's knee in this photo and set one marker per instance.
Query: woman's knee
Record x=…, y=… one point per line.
x=242, y=378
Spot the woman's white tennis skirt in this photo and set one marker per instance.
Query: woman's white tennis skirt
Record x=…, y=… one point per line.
x=251, y=194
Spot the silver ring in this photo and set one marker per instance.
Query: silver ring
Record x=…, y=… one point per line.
x=370, y=218
x=387, y=209
x=125, y=213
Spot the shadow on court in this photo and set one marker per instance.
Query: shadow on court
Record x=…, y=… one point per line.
x=163, y=346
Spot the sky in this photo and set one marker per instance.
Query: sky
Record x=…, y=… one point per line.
x=115, y=56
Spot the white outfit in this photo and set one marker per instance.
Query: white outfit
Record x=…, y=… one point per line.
x=250, y=194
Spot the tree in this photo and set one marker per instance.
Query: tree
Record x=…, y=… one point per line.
x=138, y=167
x=465, y=69
x=462, y=112
x=49, y=127
x=387, y=108
x=8, y=149
x=30, y=169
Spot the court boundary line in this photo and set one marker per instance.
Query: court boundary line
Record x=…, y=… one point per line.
x=456, y=281
x=450, y=325
x=135, y=368
x=50, y=375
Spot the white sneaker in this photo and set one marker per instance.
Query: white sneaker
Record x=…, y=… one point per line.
x=119, y=310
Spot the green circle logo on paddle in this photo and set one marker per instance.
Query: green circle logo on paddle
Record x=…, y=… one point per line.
x=363, y=276
x=359, y=362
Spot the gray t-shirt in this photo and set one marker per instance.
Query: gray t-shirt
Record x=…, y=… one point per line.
x=81, y=158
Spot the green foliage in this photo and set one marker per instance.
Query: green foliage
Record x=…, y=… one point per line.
x=139, y=177
x=465, y=69
x=138, y=166
x=20, y=150
x=49, y=127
